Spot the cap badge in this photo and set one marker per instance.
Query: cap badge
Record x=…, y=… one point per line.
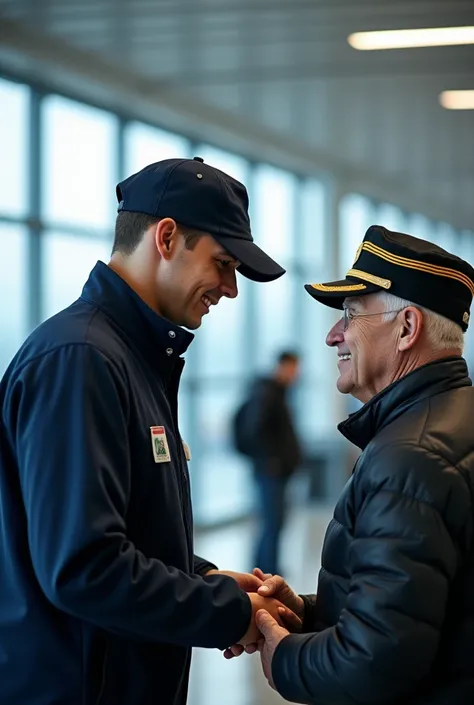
x=357, y=255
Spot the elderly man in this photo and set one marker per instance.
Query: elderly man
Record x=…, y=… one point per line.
x=393, y=621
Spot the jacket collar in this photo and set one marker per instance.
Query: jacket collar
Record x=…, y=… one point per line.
x=157, y=339
x=426, y=381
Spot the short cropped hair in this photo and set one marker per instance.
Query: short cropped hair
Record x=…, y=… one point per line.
x=131, y=226
x=442, y=333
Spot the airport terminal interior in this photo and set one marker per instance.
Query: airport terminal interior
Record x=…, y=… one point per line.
x=327, y=138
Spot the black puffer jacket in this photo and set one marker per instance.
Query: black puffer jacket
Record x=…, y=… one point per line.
x=394, y=618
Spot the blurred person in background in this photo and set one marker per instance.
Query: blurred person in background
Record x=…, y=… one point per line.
x=276, y=455
x=393, y=619
x=101, y=595
x=263, y=429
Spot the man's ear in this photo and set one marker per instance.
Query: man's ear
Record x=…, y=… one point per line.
x=411, y=325
x=166, y=237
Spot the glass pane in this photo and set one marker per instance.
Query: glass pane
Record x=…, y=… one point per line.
x=14, y=290
x=311, y=243
x=275, y=319
x=316, y=417
x=317, y=387
x=229, y=163
x=14, y=102
x=356, y=216
x=184, y=413
x=222, y=485
x=273, y=211
x=446, y=237
x=79, y=164
x=145, y=145
x=317, y=319
x=66, y=263
x=466, y=246
x=390, y=217
x=419, y=226
x=221, y=338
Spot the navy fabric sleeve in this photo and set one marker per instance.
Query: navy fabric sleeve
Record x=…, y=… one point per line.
x=202, y=566
x=402, y=560
x=68, y=419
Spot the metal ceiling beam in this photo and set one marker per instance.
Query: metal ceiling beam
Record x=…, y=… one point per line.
x=41, y=58
x=329, y=70
x=206, y=25
x=258, y=32
x=175, y=8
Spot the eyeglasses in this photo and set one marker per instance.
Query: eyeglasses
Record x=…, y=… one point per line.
x=349, y=315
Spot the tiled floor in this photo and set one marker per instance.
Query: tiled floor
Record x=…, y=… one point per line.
x=215, y=681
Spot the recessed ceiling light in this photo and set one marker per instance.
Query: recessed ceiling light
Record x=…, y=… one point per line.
x=408, y=38
x=457, y=100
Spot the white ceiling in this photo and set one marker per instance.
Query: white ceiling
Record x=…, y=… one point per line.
x=274, y=79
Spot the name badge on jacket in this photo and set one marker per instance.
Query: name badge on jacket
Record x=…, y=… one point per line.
x=159, y=442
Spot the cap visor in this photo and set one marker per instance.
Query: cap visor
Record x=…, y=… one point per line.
x=333, y=293
x=255, y=264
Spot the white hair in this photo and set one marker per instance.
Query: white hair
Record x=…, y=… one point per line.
x=442, y=333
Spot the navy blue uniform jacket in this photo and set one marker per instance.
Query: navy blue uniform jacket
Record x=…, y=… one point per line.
x=101, y=596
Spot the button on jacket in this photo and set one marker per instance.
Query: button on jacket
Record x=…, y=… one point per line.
x=100, y=593
x=393, y=621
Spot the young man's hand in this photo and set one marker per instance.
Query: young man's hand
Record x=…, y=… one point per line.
x=275, y=609
x=250, y=582
x=291, y=619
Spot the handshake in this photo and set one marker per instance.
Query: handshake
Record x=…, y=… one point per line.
x=269, y=595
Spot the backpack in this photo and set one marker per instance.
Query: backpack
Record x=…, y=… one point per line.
x=242, y=428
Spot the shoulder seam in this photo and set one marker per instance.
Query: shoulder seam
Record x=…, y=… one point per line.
x=60, y=347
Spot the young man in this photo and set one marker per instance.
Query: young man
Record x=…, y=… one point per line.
x=101, y=595
x=393, y=620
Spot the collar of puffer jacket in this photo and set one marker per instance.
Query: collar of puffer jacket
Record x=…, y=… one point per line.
x=433, y=378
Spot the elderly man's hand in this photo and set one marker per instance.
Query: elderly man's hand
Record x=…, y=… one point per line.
x=272, y=634
x=281, y=614
x=276, y=586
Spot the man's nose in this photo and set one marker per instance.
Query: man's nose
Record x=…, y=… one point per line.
x=228, y=285
x=336, y=334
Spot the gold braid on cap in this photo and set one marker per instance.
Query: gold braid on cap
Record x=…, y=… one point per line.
x=342, y=288
x=372, y=278
x=435, y=269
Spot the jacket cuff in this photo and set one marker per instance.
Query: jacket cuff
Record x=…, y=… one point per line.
x=309, y=617
x=239, y=621
x=286, y=674
x=202, y=566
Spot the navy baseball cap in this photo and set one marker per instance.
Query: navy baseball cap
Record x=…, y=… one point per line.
x=200, y=196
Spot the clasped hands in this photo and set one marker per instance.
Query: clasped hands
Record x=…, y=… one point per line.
x=277, y=611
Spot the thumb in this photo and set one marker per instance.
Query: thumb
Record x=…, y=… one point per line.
x=260, y=574
x=266, y=623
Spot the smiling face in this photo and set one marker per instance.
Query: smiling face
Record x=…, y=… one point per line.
x=191, y=281
x=368, y=350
